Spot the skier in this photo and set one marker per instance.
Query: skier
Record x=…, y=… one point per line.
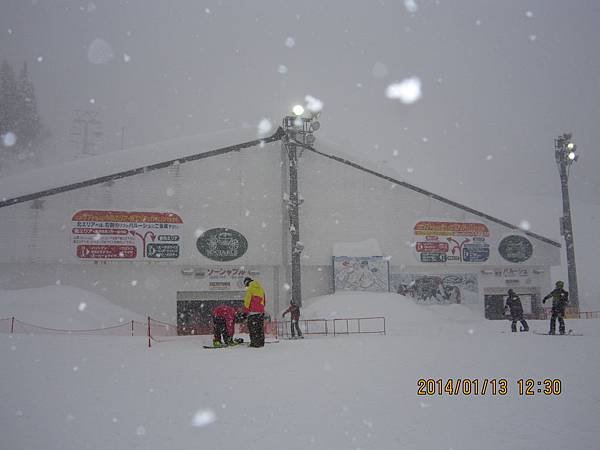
x=294, y=311
x=560, y=298
x=224, y=318
x=513, y=302
x=254, y=306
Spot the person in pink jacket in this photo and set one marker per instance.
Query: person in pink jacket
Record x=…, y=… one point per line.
x=224, y=318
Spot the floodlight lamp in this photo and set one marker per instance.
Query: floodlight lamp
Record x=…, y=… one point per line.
x=571, y=147
x=572, y=156
x=298, y=110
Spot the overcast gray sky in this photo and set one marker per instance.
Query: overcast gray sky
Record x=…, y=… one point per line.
x=500, y=80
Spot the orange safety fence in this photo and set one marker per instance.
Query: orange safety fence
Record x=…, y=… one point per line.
x=159, y=331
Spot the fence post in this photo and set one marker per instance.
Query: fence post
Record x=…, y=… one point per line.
x=149, y=343
x=12, y=325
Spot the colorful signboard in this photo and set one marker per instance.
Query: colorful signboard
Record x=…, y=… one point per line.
x=451, y=242
x=222, y=244
x=352, y=273
x=442, y=288
x=126, y=235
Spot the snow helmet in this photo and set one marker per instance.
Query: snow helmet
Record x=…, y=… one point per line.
x=560, y=284
x=247, y=281
x=511, y=292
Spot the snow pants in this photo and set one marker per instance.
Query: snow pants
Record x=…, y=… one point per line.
x=518, y=317
x=559, y=314
x=220, y=329
x=294, y=324
x=256, y=329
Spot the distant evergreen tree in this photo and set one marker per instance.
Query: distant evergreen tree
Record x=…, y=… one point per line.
x=9, y=99
x=18, y=115
x=28, y=120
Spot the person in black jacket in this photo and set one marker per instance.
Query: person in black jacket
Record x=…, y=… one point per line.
x=513, y=302
x=560, y=298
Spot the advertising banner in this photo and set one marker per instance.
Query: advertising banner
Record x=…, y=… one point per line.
x=451, y=242
x=442, y=288
x=126, y=235
x=352, y=273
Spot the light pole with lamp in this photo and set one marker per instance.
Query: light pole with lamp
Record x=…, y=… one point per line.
x=298, y=133
x=565, y=154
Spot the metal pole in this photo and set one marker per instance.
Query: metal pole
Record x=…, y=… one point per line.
x=294, y=224
x=567, y=225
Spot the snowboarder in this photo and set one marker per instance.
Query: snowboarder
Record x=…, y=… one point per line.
x=254, y=306
x=224, y=318
x=294, y=311
x=513, y=302
x=560, y=298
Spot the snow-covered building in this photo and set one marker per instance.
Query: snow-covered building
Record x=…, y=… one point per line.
x=169, y=239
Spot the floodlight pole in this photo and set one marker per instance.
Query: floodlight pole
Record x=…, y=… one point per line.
x=563, y=161
x=298, y=133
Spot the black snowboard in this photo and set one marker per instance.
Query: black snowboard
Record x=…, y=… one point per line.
x=570, y=333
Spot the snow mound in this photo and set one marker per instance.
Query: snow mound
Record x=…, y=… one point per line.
x=401, y=313
x=63, y=307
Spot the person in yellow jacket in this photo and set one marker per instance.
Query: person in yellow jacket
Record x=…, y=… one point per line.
x=254, y=306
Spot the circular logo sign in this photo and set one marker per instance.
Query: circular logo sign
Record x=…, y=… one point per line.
x=222, y=244
x=515, y=248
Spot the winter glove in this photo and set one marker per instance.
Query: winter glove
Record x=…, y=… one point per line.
x=544, y=301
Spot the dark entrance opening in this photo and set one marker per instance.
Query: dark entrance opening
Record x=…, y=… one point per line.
x=195, y=316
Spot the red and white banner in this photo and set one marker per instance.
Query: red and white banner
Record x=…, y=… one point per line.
x=126, y=235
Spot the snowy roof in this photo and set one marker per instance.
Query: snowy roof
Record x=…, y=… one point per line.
x=142, y=157
x=102, y=168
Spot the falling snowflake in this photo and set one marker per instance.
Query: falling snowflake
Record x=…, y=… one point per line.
x=411, y=6
x=9, y=139
x=264, y=127
x=99, y=52
x=126, y=57
x=134, y=283
x=529, y=14
x=203, y=418
x=290, y=42
x=532, y=37
x=82, y=306
x=408, y=91
x=489, y=157
x=313, y=104
x=524, y=225
x=40, y=58
x=282, y=69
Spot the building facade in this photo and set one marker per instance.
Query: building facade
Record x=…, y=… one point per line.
x=170, y=242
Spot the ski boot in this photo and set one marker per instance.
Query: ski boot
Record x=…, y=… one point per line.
x=217, y=344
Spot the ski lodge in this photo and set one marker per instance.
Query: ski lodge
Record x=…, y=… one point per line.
x=168, y=229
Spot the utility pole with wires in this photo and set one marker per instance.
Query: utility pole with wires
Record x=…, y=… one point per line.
x=86, y=131
x=298, y=133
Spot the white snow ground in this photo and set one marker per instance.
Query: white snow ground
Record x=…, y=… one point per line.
x=344, y=392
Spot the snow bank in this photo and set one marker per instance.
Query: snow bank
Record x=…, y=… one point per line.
x=63, y=307
x=401, y=313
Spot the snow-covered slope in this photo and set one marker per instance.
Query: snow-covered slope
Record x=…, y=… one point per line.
x=343, y=392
